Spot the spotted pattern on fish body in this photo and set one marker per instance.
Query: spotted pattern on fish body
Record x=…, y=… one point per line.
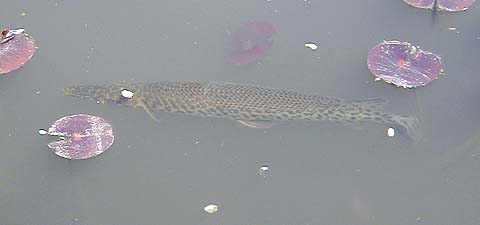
x=242, y=102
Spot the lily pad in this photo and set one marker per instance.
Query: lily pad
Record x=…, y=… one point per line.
x=16, y=48
x=441, y=5
x=81, y=136
x=251, y=42
x=403, y=64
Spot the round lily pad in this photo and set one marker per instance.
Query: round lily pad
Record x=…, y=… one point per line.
x=251, y=42
x=403, y=64
x=16, y=48
x=81, y=136
x=441, y=5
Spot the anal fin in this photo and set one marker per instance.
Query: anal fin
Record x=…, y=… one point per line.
x=259, y=124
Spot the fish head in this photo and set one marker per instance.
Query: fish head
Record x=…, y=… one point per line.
x=116, y=94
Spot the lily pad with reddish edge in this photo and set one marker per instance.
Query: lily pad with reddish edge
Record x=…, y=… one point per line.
x=441, y=5
x=251, y=42
x=16, y=48
x=404, y=65
x=81, y=136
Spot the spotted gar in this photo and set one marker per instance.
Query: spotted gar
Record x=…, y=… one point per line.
x=249, y=104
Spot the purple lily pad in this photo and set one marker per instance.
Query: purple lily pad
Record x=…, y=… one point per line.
x=402, y=64
x=442, y=5
x=251, y=42
x=82, y=136
x=16, y=48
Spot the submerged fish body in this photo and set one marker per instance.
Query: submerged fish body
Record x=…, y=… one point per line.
x=249, y=104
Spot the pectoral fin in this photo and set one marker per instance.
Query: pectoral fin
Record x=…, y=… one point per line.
x=259, y=124
x=150, y=112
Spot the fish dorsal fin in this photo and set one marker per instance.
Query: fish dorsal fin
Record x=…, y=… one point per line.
x=259, y=124
x=375, y=103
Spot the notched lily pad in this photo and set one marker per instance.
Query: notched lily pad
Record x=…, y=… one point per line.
x=16, y=48
x=81, y=136
x=441, y=5
x=403, y=64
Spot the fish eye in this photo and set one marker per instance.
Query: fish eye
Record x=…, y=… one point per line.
x=127, y=94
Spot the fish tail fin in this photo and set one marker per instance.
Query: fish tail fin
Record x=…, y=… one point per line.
x=408, y=125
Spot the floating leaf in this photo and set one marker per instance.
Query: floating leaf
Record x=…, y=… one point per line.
x=16, y=48
x=403, y=64
x=441, y=5
x=81, y=136
x=251, y=42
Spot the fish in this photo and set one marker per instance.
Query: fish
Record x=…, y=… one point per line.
x=251, y=105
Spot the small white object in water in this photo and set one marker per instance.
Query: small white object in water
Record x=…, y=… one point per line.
x=127, y=93
x=42, y=132
x=212, y=208
x=311, y=45
x=15, y=32
x=390, y=132
x=263, y=170
x=452, y=28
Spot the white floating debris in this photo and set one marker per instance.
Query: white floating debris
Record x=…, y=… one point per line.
x=391, y=132
x=307, y=1
x=263, y=170
x=15, y=32
x=452, y=28
x=127, y=93
x=212, y=208
x=418, y=218
x=42, y=132
x=311, y=45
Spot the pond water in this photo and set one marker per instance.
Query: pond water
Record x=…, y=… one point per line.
x=194, y=170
